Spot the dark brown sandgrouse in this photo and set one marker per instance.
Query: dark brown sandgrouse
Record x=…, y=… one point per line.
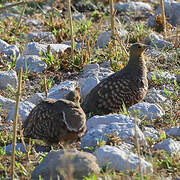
x=127, y=86
x=56, y=121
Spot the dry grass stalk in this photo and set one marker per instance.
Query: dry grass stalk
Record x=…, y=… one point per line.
x=18, y=4
x=112, y=17
x=163, y=17
x=20, y=18
x=89, y=50
x=138, y=147
x=45, y=87
x=123, y=47
x=113, y=30
x=71, y=30
x=83, y=61
x=18, y=95
x=22, y=139
x=176, y=44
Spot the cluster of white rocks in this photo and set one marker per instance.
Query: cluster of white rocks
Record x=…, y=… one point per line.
x=99, y=127
x=120, y=157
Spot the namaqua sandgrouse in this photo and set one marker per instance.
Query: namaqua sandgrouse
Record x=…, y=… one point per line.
x=57, y=121
x=125, y=87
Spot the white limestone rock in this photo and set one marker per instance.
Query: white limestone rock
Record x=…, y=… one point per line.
x=30, y=64
x=56, y=164
x=3, y=45
x=118, y=159
x=34, y=22
x=125, y=131
x=168, y=145
x=172, y=11
x=104, y=72
x=90, y=70
x=6, y=103
x=24, y=110
x=173, y=131
x=148, y=111
x=96, y=71
x=12, y=52
x=91, y=76
x=108, y=119
x=7, y=15
x=61, y=90
x=77, y=45
x=150, y=132
x=105, y=37
x=87, y=84
x=58, y=92
x=36, y=98
x=106, y=64
x=164, y=76
x=19, y=147
x=132, y=7
x=154, y=96
x=34, y=48
x=78, y=17
x=41, y=37
x=8, y=78
x=156, y=40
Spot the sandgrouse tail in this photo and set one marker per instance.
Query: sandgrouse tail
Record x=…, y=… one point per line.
x=127, y=86
x=56, y=121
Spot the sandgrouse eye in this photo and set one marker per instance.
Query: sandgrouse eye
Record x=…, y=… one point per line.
x=127, y=86
x=56, y=121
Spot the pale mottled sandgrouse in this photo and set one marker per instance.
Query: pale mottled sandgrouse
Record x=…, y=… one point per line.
x=56, y=121
x=127, y=86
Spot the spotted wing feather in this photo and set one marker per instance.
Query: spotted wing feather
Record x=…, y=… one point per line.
x=44, y=122
x=110, y=94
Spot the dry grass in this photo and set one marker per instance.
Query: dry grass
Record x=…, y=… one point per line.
x=58, y=71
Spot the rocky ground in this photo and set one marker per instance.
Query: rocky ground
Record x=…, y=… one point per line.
x=125, y=145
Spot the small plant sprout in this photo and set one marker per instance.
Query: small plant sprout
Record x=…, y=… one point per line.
x=46, y=82
x=167, y=93
x=45, y=87
x=48, y=57
x=2, y=151
x=26, y=71
x=100, y=142
x=162, y=135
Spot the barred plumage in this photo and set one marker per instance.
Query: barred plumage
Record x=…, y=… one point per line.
x=56, y=121
x=127, y=86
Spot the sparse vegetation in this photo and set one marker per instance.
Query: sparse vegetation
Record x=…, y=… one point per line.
x=59, y=65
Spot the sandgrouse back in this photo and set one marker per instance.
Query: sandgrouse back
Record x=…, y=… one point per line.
x=127, y=86
x=56, y=121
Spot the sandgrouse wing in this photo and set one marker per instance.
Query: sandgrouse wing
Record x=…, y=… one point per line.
x=56, y=121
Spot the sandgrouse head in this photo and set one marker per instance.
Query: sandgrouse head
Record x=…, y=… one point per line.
x=74, y=96
x=137, y=49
